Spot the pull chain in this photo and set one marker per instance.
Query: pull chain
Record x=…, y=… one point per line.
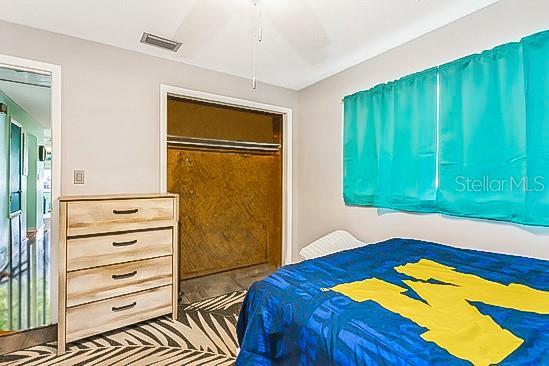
x=255, y=45
x=259, y=23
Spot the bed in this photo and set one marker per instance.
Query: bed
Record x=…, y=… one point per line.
x=399, y=302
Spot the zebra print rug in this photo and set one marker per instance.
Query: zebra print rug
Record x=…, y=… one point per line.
x=204, y=335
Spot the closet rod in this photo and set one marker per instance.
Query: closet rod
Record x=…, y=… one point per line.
x=222, y=144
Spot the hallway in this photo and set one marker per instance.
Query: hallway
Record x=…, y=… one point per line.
x=25, y=282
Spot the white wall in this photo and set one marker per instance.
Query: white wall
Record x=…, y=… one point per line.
x=111, y=109
x=320, y=207
x=111, y=112
x=110, y=106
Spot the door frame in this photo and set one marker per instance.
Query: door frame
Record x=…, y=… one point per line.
x=287, y=176
x=16, y=216
x=12, y=62
x=21, y=151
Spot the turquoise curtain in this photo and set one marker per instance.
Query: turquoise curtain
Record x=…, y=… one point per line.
x=482, y=132
x=493, y=133
x=492, y=154
x=390, y=144
x=536, y=73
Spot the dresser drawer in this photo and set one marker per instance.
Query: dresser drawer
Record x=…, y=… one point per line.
x=102, y=316
x=119, y=279
x=110, y=249
x=92, y=217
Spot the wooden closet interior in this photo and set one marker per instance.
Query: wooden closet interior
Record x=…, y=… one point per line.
x=225, y=163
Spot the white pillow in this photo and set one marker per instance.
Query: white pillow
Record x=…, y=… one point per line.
x=332, y=243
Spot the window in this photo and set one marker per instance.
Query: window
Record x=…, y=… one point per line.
x=484, y=157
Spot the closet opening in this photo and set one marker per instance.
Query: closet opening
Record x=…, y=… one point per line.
x=226, y=164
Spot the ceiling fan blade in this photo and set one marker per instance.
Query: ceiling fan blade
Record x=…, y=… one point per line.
x=299, y=25
x=203, y=21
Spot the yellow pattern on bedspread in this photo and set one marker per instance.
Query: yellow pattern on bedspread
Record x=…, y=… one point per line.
x=452, y=322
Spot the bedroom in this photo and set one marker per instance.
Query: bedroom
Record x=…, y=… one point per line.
x=109, y=123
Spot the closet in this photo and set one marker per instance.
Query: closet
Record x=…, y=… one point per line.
x=226, y=165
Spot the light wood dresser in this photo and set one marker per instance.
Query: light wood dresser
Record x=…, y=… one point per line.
x=118, y=262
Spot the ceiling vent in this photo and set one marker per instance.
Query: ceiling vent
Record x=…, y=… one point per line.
x=160, y=42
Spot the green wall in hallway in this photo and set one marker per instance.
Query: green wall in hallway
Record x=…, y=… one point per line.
x=35, y=133
x=34, y=192
x=4, y=157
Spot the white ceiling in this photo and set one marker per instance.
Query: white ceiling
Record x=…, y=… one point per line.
x=35, y=100
x=304, y=41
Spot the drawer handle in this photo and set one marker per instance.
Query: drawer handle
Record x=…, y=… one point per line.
x=125, y=212
x=125, y=307
x=123, y=276
x=123, y=243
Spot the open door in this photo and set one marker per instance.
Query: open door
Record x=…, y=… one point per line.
x=15, y=168
x=19, y=291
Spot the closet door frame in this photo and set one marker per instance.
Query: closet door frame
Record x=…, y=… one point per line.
x=287, y=186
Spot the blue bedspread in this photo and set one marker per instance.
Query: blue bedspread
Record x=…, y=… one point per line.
x=399, y=302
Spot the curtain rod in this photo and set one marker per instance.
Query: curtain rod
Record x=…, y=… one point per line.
x=223, y=144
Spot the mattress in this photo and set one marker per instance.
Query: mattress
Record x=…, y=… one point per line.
x=399, y=302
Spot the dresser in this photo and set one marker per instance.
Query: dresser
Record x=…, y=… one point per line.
x=118, y=262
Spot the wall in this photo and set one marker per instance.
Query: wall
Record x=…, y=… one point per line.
x=320, y=207
x=4, y=186
x=110, y=106
x=110, y=118
x=34, y=211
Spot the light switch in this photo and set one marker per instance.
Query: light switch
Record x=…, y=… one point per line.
x=79, y=177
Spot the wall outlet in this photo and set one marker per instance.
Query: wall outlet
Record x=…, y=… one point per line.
x=79, y=177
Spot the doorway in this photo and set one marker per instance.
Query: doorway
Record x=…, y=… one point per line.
x=29, y=182
x=229, y=163
x=24, y=288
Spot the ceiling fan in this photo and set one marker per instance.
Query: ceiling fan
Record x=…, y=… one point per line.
x=294, y=20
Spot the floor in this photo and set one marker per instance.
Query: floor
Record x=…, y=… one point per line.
x=200, y=288
x=205, y=335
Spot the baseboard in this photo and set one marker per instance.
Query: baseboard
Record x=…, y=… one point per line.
x=28, y=338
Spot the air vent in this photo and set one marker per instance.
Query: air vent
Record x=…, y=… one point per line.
x=160, y=42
